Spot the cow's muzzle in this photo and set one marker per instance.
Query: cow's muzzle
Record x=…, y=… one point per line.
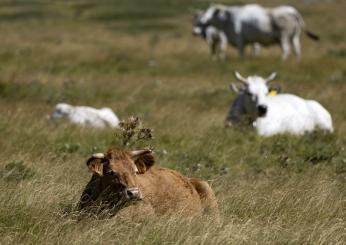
x=262, y=110
x=196, y=31
x=133, y=194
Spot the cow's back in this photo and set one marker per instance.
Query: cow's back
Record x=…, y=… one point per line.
x=169, y=191
x=322, y=117
x=285, y=20
x=109, y=117
x=288, y=113
x=85, y=115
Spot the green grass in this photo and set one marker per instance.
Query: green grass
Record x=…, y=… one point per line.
x=139, y=58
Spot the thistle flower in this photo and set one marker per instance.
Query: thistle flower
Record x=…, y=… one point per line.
x=131, y=131
x=144, y=133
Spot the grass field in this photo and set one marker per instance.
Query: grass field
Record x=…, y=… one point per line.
x=139, y=58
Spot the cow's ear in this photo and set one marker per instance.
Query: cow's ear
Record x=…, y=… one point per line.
x=144, y=160
x=96, y=164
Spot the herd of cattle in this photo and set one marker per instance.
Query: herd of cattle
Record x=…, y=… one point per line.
x=257, y=104
x=128, y=182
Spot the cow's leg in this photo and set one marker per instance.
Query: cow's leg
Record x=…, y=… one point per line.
x=240, y=46
x=218, y=51
x=222, y=47
x=256, y=48
x=208, y=199
x=296, y=46
x=211, y=44
x=241, y=50
x=215, y=49
x=285, y=46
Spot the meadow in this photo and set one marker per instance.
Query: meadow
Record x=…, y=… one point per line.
x=139, y=58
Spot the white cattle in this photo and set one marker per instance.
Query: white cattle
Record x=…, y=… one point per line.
x=84, y=115
x=253, y=23
x=283, y=113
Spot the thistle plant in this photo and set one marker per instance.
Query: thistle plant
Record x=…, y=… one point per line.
x=131, y=131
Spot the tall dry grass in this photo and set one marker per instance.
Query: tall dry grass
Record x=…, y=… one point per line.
x=141, y=59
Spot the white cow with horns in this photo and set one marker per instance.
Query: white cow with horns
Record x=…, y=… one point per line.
x=283, y=113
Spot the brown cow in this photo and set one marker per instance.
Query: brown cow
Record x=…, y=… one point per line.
x=129, y=180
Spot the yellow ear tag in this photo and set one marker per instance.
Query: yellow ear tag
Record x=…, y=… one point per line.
x=272, y=93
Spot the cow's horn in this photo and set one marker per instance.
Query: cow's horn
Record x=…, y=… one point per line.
x=234, y=88
x=98, y=155
x=271, y=77
x=239, y=77
x=139, y=152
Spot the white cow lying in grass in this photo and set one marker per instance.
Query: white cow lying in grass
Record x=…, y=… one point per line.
x=283, y=113
x=85, y=115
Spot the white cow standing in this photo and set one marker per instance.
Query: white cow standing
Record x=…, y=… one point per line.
x=283, y=113
x=253, y=23
x=84, y=115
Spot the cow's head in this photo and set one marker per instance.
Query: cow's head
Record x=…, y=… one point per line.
x=117, y=171
x=198, y=27
x=61, y=110
x=255, y=91
x=210, y=17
